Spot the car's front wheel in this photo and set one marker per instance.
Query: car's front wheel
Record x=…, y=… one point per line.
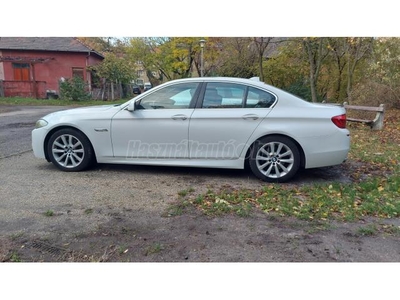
x=70, y=150
x=275, y=159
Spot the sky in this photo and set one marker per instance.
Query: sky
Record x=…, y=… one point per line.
x=201, y=18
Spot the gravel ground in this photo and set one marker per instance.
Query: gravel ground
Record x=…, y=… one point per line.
x=118, y=213
x=16, y=124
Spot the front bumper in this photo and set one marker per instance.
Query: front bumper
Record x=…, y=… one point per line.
x=38, y=138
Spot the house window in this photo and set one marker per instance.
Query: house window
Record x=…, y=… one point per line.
x=21, y=71
x=77, y=72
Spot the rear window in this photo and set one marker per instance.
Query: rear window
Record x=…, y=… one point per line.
x=230, y=95
x=259, y=99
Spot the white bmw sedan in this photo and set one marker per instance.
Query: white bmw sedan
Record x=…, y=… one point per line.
x=200, y=122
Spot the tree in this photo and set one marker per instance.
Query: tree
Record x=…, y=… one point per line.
x=337, y=47
x=239, y=60
x=183, y=51
x=287, y=69
x=140, y=51
x=154, y=55
x=115, y=69
x=356, y=49
x=379, y=80
x=316, y=52
x=261, y=44
x=100, y=44
x=172, y=58
x=212, y=56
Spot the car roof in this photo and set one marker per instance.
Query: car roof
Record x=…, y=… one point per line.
x=252, y=82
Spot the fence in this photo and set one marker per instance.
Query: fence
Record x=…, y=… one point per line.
x=1, y=88
x=110, y=91
x=26, y=89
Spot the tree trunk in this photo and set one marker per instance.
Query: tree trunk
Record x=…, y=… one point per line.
x=311, y=60
x=261, y=46
x=315, y=59
x=313, y=87
x=350, y=72
x=340, y=68
x=121, y=94
x=112, y=90
x=260, y=66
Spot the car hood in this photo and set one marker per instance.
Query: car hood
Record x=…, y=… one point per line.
x=82, y=111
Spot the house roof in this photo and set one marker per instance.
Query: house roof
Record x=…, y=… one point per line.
x=59, y=44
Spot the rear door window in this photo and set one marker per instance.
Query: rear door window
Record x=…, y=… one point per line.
x=224, y=95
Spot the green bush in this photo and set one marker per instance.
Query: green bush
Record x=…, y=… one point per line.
x=300, y=89
x=74, y=89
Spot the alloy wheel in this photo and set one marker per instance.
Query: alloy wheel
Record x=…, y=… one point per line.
x=68, y=151
x=274, y=159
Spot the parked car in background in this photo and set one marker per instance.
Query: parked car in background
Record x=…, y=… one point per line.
x=147, y=86
x=136, y=90
x=200, y=122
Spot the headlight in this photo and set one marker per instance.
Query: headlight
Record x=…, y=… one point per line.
x=41, y=123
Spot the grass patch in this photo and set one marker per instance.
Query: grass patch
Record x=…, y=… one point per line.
x=225, y=202
x=122, y=250
x=378, y=197
x=176, y=209
x=14, y=257
x=375, y=229
x=153, y=249
x=49, y=213
x=55, y=102
x=368, y=230
x=184, y=193
x=17, y=235
x=88, y=211
x=391, y=229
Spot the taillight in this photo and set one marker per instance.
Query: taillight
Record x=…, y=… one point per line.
x=339, y=121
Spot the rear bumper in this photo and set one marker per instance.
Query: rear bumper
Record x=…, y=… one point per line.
x=327, y=151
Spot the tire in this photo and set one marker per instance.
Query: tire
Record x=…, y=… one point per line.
x=70, y=150
x=274, y=159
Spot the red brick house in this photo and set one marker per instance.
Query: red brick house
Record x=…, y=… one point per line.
x=34, y=66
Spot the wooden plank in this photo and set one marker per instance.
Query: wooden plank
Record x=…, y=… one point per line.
x=366, y=108
x=359, y=120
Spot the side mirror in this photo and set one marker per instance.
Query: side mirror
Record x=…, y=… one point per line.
x=131, y=106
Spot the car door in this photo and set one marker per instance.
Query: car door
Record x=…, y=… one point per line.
x=223, y=122
x=158, y=127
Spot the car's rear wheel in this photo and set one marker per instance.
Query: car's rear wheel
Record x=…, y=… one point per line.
x=70, y=150
x=275, y=159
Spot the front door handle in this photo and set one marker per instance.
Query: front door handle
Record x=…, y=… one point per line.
x=179, y=117
x=250, y=116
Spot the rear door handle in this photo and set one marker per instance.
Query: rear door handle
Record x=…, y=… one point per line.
x=250, y=116
x=179, y=117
